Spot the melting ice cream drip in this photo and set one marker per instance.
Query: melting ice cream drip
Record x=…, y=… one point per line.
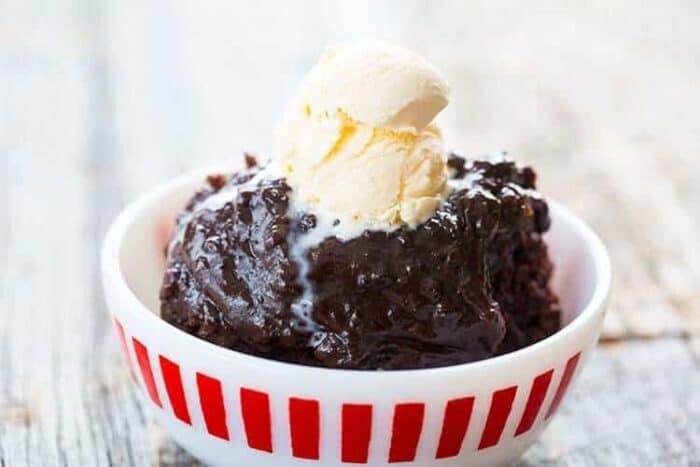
x=359, y=149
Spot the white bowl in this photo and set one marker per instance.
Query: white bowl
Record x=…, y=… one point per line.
x=229, y=408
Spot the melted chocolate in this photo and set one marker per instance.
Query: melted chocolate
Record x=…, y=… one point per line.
x=469, y=283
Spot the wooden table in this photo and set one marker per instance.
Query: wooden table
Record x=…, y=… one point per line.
x=99, y=100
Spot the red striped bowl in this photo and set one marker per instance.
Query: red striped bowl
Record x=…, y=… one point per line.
x=229, y=408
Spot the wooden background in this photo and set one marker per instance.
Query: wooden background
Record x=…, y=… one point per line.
x=99, y=100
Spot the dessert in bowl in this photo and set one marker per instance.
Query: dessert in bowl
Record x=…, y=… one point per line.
x=361, y=247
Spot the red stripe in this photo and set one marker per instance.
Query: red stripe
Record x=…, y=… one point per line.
x=501, y=405
x=255, y=408
x=458, y=412
x=211, y=399
x=146, y=372
x=538, y=391
x=405, y=431
x=304, y=424
x=173, y=386
x=356, y=432
x=564, y=384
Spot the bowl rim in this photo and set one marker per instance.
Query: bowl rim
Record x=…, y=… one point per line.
x=113, y=277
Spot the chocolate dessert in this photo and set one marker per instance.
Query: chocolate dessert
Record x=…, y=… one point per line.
x=362, y=244
x=469, y=283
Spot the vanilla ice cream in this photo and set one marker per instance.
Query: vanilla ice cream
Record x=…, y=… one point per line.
x=359, y=142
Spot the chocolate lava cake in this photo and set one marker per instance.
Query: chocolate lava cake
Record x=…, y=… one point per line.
x=469, y=283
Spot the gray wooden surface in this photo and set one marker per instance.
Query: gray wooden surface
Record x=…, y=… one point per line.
x=99, y=100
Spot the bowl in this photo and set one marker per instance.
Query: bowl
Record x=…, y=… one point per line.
x=230, y=408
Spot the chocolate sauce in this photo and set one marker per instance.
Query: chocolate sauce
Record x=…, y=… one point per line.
x=469, y=283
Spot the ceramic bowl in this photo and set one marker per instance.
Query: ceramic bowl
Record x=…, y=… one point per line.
x=229, y=408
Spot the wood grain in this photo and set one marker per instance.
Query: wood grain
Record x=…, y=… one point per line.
x=99, y=100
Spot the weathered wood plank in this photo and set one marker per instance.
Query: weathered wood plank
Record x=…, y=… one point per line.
x=636, y=404
x=59, y=404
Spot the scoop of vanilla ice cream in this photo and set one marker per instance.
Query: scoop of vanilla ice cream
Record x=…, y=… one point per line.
x=359, y=142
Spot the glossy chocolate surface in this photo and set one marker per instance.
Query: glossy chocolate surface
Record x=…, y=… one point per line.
x=469, y=283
